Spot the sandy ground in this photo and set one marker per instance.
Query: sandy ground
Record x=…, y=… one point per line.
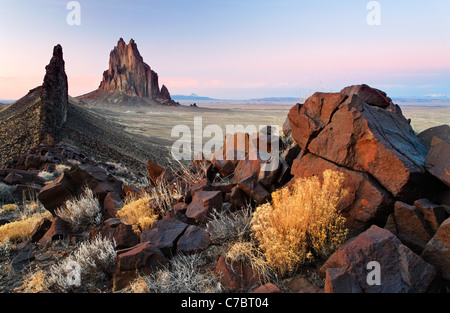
x=158, y=122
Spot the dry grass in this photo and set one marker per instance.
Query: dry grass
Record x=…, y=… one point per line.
x=138, y=285
x=302, y=223
x=165, y=195
x=230, y=226
x=20, y=230
x=36, y=282
x=140, y=212
x=5, y=248
x=156, y=202
x=6, y=193
x=9, y=208
x=183, y=276
x=47, y=176
x=247, y=252
x=82, y=212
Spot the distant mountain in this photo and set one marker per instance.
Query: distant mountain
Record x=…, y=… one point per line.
x=276, y=99
x=192, y=96
x=128, y=80
x=437, y=97
x=4, y=102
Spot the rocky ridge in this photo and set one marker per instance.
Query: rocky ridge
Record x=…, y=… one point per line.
x=39, y=116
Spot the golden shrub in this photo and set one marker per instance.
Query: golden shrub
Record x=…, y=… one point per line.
x=302, y=223
x=140, y=212
x=36, y=282
x=19, y=230
x=9, y=207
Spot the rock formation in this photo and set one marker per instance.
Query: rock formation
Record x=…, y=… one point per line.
x=39, y=116
x=128, y=76
x=128, y=73
x=362, y=133
x=47, y=115
x=55, y=96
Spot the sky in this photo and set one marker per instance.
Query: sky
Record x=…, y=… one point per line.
x=235, y=49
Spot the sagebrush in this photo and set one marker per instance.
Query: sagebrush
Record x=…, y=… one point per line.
x=302, y=222
x=85, y=268
x=183, y=276
x=81, y=212
x=6, y=193
x=224, y=226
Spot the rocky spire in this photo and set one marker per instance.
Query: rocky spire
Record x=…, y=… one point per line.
x=54, y=96
x=128, y=73
x=39, y=116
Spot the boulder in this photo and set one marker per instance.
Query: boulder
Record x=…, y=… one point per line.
x=338, y=280
x=164, y=234
x=370, y=139
x=111, y=205
x=361, y=129
x=401, y=270
x=123, y=235
x=203, y=202
x=412, y=229
x=290, y=154
x=302, y=285
x=155, y=171
x=58, y=231
x=57, y=193
x=95, y=178
x=266, y=140
x=13, y=179
x=195, y=239
x=442, y=132
x=40, y=230
x=433, y=214
x=254, y=189
x=437, y=250
x=308, y=119
x=437, y=161
x=34, y=161
x=143, y=257
x=235, y=275
x=267, y=288
x=259, y=164
x=238, y=198
x=286, y=127
x=371, y=96
x=21, y=261
x=72, y=183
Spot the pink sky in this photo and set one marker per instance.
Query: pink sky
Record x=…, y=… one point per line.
x=239, y=51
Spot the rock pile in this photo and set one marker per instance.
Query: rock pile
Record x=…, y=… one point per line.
x=397, y=207
x=362, y=133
